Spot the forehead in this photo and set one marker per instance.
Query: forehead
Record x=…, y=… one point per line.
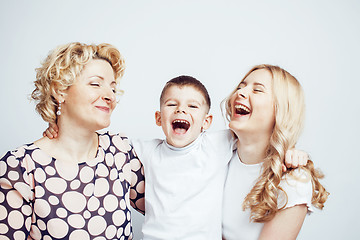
x=261, y=76
x=184, y=93
x=98, y=67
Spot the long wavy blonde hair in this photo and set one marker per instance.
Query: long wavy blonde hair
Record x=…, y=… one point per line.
x=289, y=120
x=63, y=65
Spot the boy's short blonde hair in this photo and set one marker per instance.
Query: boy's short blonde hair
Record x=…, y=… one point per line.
x=63, y=65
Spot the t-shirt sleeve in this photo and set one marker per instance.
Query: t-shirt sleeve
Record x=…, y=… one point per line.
x=222, y=142
x=144, y=149
x=298, y=188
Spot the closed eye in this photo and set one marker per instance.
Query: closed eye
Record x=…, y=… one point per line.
x=193, y=106
x=241, y=85
x=258, y=90
x=95, y=84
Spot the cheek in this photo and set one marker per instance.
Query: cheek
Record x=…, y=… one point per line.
x=113, y=106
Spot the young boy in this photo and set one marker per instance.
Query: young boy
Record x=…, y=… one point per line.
x=185, y=173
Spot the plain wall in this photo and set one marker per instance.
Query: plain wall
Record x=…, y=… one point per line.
x=216, y=42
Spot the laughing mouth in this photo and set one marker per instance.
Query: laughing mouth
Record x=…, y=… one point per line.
x=180, y=126
x=242, y=109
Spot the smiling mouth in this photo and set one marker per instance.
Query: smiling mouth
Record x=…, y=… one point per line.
x=180, y=126
x=242, y=109
x=104, y=109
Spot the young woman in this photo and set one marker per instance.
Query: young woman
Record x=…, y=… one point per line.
x=81, y=184
x=266, y=114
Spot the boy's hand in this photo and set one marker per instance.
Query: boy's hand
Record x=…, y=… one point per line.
x=295, y=158
x=52, y=131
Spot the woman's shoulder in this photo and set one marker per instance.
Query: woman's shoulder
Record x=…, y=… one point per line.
x=24, y=159
x=298, y=188
x=20, y=152
x=114, y=140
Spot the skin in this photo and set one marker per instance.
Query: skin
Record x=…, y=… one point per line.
x=86, y=107
x=254, y=131
x=183, y=104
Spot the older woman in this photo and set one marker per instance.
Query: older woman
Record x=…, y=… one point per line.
x=81, y=184
x=266, y=113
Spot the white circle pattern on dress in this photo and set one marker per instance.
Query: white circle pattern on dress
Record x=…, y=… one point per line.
x=39, y=192
x=61, y=212
x=57, y=228
x=3, y=168
x=76, y=221
x=75, y=184
x=19, y=235
x=12, y=162
x=41, y=224
x=50, y=170
x=16, y=203
x=79, y=234
x=53, y=200
x=86, y=174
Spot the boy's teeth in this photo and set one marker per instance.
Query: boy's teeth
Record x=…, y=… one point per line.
x=180, y=124
x=180, y=121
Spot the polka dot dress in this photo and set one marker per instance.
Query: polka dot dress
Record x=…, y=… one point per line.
x=42, y=198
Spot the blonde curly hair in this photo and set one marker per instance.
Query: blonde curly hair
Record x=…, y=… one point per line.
x=289, y=105
x=62, y=66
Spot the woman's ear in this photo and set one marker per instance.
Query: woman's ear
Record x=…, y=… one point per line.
x=59, y=94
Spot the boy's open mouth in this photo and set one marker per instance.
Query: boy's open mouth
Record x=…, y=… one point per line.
x=242, y=109
x=180, y=126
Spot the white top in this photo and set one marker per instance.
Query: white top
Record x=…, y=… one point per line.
x=184, y=186
x=240, y=180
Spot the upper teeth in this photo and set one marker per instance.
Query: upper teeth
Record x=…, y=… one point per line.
x=245, y=108
x=181, y=121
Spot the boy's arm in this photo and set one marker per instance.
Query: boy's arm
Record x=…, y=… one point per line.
x=295, y=158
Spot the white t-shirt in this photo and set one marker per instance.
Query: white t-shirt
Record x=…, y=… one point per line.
x=240, y=180
x=184, y=186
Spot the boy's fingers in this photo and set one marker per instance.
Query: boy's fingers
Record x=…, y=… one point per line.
x=53, y=132
x=288, y=157
x=295, y=162
x=48, y=134
x=304, y=160
x=53, y=127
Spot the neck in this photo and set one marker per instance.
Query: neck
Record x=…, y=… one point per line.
x=251, y=148
x=73, y=144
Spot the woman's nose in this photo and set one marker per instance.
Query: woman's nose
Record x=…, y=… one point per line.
x=242, y=93
x=109, y=95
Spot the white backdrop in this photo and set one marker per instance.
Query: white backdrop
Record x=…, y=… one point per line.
x=216, y=42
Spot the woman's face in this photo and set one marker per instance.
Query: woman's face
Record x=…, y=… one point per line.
x=252, y=105
x=90, y=101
